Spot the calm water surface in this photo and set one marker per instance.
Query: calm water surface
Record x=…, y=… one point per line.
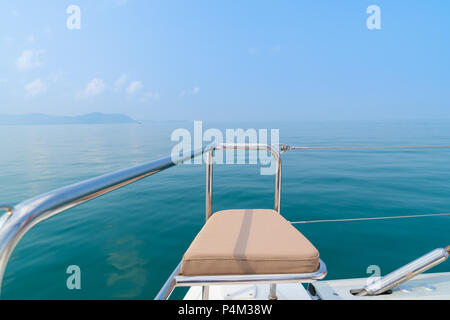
x=128, y=242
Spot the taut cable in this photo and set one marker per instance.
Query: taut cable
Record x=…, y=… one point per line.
x=373, y=218
x=285, y=148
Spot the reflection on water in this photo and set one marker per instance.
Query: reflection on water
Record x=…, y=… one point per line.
x=130, y=275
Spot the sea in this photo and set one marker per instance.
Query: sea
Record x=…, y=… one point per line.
x=127, y=243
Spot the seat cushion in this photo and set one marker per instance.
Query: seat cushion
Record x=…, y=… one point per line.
x=250, y=241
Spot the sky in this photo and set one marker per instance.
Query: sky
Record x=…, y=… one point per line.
x=226, y=60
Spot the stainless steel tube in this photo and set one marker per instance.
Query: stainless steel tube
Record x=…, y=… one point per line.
x=20, y=219
x=209, y=184
x=273, y=292
x=176, y=280
x=27, y=214
x=247, y=146
x=187, y=281
x=404, y=273
x=167, y=289
x=205, y=293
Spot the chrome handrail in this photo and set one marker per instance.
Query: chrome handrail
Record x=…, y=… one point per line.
x=176, y=280
x=187, y=281
x=240, y=146
x=19, y=219
x=209, y=179
x=22, y=217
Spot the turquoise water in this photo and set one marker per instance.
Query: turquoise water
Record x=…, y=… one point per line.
x=128, y=242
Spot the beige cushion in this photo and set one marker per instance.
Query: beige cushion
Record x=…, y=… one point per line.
x=253, y=241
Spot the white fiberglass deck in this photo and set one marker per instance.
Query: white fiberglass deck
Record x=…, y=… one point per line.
x=434, y=286
x=286, y=291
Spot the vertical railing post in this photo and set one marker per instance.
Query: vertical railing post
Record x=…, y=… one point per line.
x=209, y=185
x=273, y=292
x=208, y=202
x=277, y=207
x=277, y=197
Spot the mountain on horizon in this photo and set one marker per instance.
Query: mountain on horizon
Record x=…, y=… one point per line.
x=43, y=119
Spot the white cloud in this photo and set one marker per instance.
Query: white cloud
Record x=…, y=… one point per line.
x=134, y=87
x=29, y=59
x=35, y=88
x=15, y=13
x=3, y=80
x=196, y=90
x=121, y=80
x=95, y=87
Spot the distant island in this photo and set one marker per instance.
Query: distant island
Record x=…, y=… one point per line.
x=43, y=119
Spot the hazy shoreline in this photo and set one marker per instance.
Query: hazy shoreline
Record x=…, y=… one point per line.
x=43, y=119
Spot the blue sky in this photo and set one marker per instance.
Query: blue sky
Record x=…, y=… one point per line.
x=217, y=59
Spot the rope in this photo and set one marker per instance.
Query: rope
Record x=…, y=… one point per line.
x=375, y=218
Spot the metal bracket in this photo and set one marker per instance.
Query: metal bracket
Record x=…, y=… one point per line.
x=404, y=274
x=7, y=209
x=285, y=148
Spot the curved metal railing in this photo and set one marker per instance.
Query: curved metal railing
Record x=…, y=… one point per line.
x=18, y=220
x=21, y=218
